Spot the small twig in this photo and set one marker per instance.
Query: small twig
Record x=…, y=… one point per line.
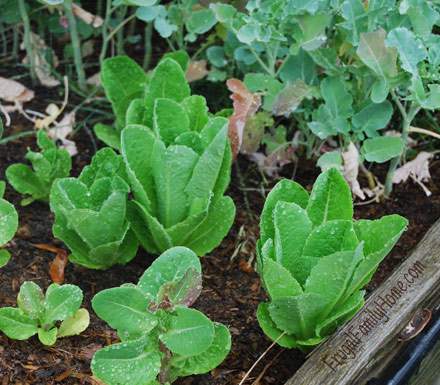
x=424, y=131
x=260, y=358
x=263, y=372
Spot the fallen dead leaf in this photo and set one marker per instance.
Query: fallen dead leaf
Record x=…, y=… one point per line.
x=87, y=17
x=351, y=169
x=245, y=266
x=246, y=105
x=14, y=92
x=417, y=169
x=60, y=131
x=58, y=265
x=43, y=69
x=94, y=80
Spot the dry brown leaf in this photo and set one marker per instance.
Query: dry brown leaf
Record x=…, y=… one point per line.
x=246, y=105
x=14, y=92
x=417, y=169
x=196, y=70
x=271, y=164
x=43, y=68
x=57, y=266
x=87, y=17
x=60, y=131
x=94, y=80
x=351, y=169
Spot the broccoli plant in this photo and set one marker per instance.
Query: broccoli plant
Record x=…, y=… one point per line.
x=8, y=225
x=314, y=259
x=90, y=213
x=340, y=68
x=178, y=159
x=41, y=314
x=161, y=337
x=48, y=165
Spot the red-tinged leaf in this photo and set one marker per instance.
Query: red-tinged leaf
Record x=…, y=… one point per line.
x=246, y=105
x=196, y=70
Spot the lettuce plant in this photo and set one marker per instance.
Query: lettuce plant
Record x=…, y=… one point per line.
x=40, y=314
x=49, y=164
x=90, y=213
x=178, y=161
x=8, y=225
x=339, y=67
x=161, y=337
x=314, y=259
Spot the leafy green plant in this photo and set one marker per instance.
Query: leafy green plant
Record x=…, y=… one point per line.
x=339, y=68
x=40, y=314
x=8, y=225
x=48, y=165
x=161, y=337
x=177, y=155
x=124, y=81
x=90, y=213
x=180, y=22
x=314, y=259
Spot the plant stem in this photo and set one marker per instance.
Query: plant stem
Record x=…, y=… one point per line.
x=17, y=136
x=109, y=36
x=148, y=46
x=270, y=71
x=76, y=45
x=15, y=43
x=27, y=38
x=4, y=39
x=108, y=11
x=407, y=118
x=122, y=12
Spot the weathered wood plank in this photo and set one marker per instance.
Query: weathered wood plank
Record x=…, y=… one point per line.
x=361, y=349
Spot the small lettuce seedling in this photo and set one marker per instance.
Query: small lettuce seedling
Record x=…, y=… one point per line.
x=162, y=338
x=178, y=161
x=8, y=224
x=90, y=213
x=49, y=164
x=314, y=259
x=40, y=314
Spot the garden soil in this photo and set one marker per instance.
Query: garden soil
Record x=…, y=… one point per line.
x=232, y=289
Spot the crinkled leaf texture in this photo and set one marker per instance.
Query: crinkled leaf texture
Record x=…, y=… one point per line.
x=8, y=225
x=90, y=213
x=124, y=81
x=178, y=162
x=48, y=165
x=38, y=313
x=162, y=339
x=314, y=259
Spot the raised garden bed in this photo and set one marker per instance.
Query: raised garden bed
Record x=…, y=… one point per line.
x=179, y=92
x=231, y=291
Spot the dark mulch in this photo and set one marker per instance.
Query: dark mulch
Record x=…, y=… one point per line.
x=231, y=288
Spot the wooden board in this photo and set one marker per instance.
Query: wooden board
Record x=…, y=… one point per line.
x=361, y=349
